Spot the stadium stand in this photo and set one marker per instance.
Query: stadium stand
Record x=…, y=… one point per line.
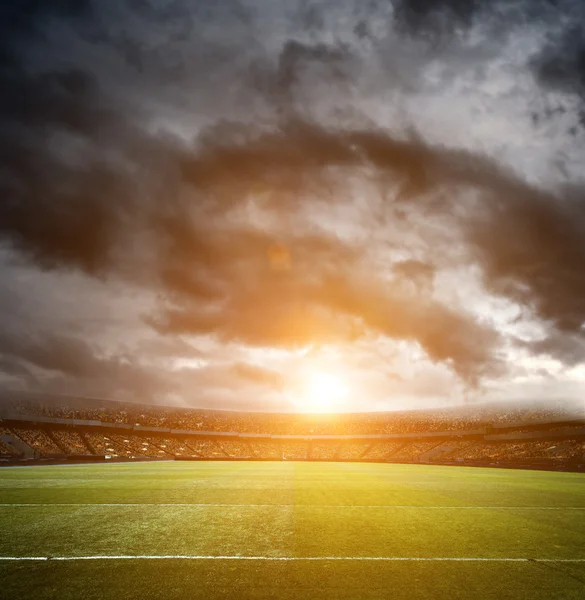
x=69, y=442
x=97, y=442
x=38, y=440
x=353, y=450
x=266, y=450
x=295, y=451
x=5, y=450
x=486, y=434
x=457, y=418
x=323, y=451
x=384, y=450
x=415, y=450
x=235, y=449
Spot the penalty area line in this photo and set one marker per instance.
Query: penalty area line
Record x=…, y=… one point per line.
x=291, y=558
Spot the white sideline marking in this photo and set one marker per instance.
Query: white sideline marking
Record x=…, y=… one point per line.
x=291, y=558
x=213, y=505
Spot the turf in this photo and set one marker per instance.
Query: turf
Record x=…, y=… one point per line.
x=273, y=510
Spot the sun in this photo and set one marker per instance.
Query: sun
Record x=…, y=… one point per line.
x=323, y=392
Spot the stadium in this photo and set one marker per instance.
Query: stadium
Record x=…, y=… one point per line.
x=211, y=504
x=540, y=436
x=292, y=299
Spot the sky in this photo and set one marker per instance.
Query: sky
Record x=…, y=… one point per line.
x=342, y=205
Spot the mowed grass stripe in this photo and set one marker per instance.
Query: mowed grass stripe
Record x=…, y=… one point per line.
x=290, y=580
x=291, y=530
x=285, y=506
x=289, y=483
x=295, y=558
x=269, y=529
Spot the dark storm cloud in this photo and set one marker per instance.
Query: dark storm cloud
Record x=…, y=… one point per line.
x=22, y=18
x=529, y=242
x=223, y=281
x=52, y=352
x=300, y=65
x=567, y=348
x=13, y=366
x=62, y=225
x=222, y=167
x=532, y=249
x=48, y=208
x=561, y=61
x=80, y=215
x=559, y=65
x=82, y=178
x=198, y=261
x=51, y=361
x=435, y=17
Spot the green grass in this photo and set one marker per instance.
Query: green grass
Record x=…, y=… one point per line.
x=290, y=510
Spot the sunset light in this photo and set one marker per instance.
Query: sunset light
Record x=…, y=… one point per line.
x=323, y=392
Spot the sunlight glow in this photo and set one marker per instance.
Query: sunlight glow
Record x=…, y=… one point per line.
x=323, y=392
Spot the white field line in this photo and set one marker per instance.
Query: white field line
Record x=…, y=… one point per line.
x=291, y=558
x=312, y=506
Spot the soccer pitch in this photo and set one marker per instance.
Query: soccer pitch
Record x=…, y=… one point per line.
x=290, y=530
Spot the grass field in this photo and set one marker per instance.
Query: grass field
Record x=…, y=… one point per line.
x=220, y=529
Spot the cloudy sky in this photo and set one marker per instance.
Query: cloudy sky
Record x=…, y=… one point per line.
x=270, y=205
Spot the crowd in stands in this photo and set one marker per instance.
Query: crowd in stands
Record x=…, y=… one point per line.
x=514, y=451
x=38, y=440
x=326, y=451
x=5, y=451
x=69, y=442
x=414, y=451
x=292, y=451
x=269, y=450
x=58, y=443
x=82, y=438
x=353, y=451
x=457, y=418
x=384, y=450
